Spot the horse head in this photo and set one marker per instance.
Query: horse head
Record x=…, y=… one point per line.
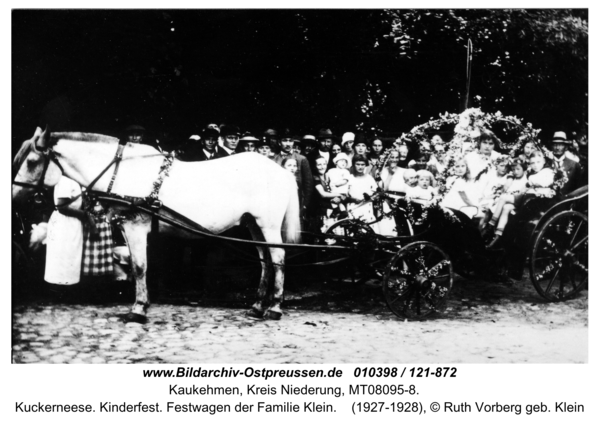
x=33, y=168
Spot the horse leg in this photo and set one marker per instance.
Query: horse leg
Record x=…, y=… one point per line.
x=278, y=259
x=137, y=238
x=258, y=308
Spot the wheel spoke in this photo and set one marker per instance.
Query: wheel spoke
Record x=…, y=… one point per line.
x=575, y=234
x=579, y=243
x=400, y=296
x=552, y=280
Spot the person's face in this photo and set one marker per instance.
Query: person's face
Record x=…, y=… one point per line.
x=325, y=144
x=265, y=150
x=321, y=165
x=273, y=141
x=528, y=149
x=403, y=152
x=486, y=147
x=348, y=145
x=439, y=152
x=467, y=147
x=249, y=146
x=460, y=168
x=423, y=181
x=421, y=163
x=231, y=141
x=135, y=137
x=502, y=169
x=393, y=159
x=360, y=167
x=336, y=149
x=559, y=149
x=518, y=171
x=360, y=148
x=536, y=163
x=291, y=165
x=411, y=180
x=377, y=146
x=341, y=164
x=209, y=143
x=287, y=145
x=308, y=148
x=296, y=148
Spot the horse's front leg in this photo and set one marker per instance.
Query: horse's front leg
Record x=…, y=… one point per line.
x=136, y=232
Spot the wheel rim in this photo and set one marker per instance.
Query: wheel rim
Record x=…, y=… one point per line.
x=418, y=281
x=559, y=262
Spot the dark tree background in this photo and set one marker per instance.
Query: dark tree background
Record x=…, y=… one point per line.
x=375, y=70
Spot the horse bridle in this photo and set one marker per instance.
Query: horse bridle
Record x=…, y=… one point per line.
x=39, y=188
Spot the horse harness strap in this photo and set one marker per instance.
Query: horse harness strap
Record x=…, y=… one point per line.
x=117, y=161
x=152, y=199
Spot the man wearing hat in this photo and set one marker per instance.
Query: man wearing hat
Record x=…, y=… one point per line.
x=303, y=176
x=264, y=148
x=325, y=137
x=135, y=134
x=570, y=166
x=231, y=137
x=272, y=138
x=308, y=145
x=204, y=149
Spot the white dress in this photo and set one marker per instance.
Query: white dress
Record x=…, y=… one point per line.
x=65, y=238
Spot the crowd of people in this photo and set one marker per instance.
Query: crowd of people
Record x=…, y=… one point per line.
x=336, y=174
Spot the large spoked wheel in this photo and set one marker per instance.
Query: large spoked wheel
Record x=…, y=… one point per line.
x=418, y=281
x=559, y=260
x=349, y=231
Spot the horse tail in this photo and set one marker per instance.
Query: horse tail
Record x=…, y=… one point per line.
x=290, y=230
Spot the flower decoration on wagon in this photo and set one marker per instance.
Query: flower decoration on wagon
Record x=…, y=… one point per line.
x=468, y=126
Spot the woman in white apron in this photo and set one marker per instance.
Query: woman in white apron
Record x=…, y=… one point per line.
x=65, y=235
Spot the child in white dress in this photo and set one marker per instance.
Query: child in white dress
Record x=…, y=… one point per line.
x=423, y=193
x=339, y=179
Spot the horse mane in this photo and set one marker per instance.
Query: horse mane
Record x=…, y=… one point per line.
x=29, y=145
x=82, y=136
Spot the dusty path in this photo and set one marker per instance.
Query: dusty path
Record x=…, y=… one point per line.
x=484, y=323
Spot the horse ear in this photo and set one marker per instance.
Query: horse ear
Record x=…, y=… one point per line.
x=44, y=139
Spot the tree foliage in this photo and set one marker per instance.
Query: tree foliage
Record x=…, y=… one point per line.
x=383, y=70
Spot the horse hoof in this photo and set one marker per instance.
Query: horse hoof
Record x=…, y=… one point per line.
x=134, y=318
x=258, y=314
x=273, y=315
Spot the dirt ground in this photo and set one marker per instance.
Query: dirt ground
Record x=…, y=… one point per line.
x=202, y=318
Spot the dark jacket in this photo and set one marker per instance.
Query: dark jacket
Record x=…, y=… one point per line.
x=573, y=171
x=195, y=153
x=303, y=176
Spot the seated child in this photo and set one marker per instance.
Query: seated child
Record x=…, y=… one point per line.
x=539, y=181
x=517, y=179
x=422, y=193
x=458, y=196
x=410, y=178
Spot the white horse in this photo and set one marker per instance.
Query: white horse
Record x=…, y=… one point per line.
x=215, y=194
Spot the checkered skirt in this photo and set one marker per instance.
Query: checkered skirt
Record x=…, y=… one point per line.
x=98, y=251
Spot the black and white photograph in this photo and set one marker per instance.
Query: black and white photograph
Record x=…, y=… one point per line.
x=299, y=186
